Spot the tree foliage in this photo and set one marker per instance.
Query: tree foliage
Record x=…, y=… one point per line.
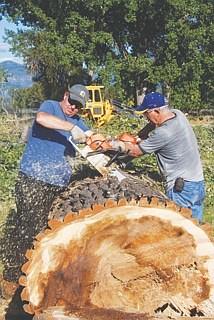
x=3, y=79
x=124, y=42
x=27, y=97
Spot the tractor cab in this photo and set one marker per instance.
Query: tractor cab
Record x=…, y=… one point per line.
x=97, y=108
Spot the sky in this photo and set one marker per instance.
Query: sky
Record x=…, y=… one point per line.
x=5, y=54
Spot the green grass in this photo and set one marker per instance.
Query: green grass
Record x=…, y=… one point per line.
x=205, y=135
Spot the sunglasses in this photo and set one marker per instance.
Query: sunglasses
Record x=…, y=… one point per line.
x=77, y=104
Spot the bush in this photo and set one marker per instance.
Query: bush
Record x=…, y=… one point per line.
x=10, y=154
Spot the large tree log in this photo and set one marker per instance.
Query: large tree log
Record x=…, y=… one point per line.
x=104, y=258
x=138, y=258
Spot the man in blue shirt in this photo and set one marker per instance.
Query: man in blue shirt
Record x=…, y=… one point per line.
x=45, y=171
x=48, y=145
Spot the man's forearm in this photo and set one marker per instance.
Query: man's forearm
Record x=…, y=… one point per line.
x=133, y=148
x=50, y=121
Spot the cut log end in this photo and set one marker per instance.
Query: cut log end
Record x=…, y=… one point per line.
x=129, y=257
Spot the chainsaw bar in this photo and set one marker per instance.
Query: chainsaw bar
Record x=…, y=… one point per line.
x=99, y=161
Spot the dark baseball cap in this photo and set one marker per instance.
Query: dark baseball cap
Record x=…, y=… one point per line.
x=79, y=93
x=151, y=101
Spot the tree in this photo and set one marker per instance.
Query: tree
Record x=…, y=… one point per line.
x=27, y=97
x=127, y=42
x=3, y=81
x=186, y=57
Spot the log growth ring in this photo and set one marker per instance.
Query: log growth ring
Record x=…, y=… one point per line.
x=125, y=255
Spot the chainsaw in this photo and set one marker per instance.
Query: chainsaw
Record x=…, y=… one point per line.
x=100, y=154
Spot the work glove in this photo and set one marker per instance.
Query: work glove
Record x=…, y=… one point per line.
x=116, y=144
x=78, y=134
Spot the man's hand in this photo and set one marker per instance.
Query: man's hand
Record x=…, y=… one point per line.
x=78, y=134
x=130, y=147
x=89, y=133
x=116, y=144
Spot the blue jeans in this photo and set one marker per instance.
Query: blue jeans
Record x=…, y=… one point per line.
x=192, y=196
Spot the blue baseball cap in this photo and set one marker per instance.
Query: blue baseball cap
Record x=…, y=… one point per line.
x=151, y=101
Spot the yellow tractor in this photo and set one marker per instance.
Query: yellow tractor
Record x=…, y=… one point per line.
x=98, y=109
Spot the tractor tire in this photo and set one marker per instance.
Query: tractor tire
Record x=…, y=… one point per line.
x=119, y=251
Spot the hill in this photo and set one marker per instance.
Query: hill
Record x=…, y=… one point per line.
x=19, y=78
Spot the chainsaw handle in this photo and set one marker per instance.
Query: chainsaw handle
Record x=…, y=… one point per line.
x=96, y=141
